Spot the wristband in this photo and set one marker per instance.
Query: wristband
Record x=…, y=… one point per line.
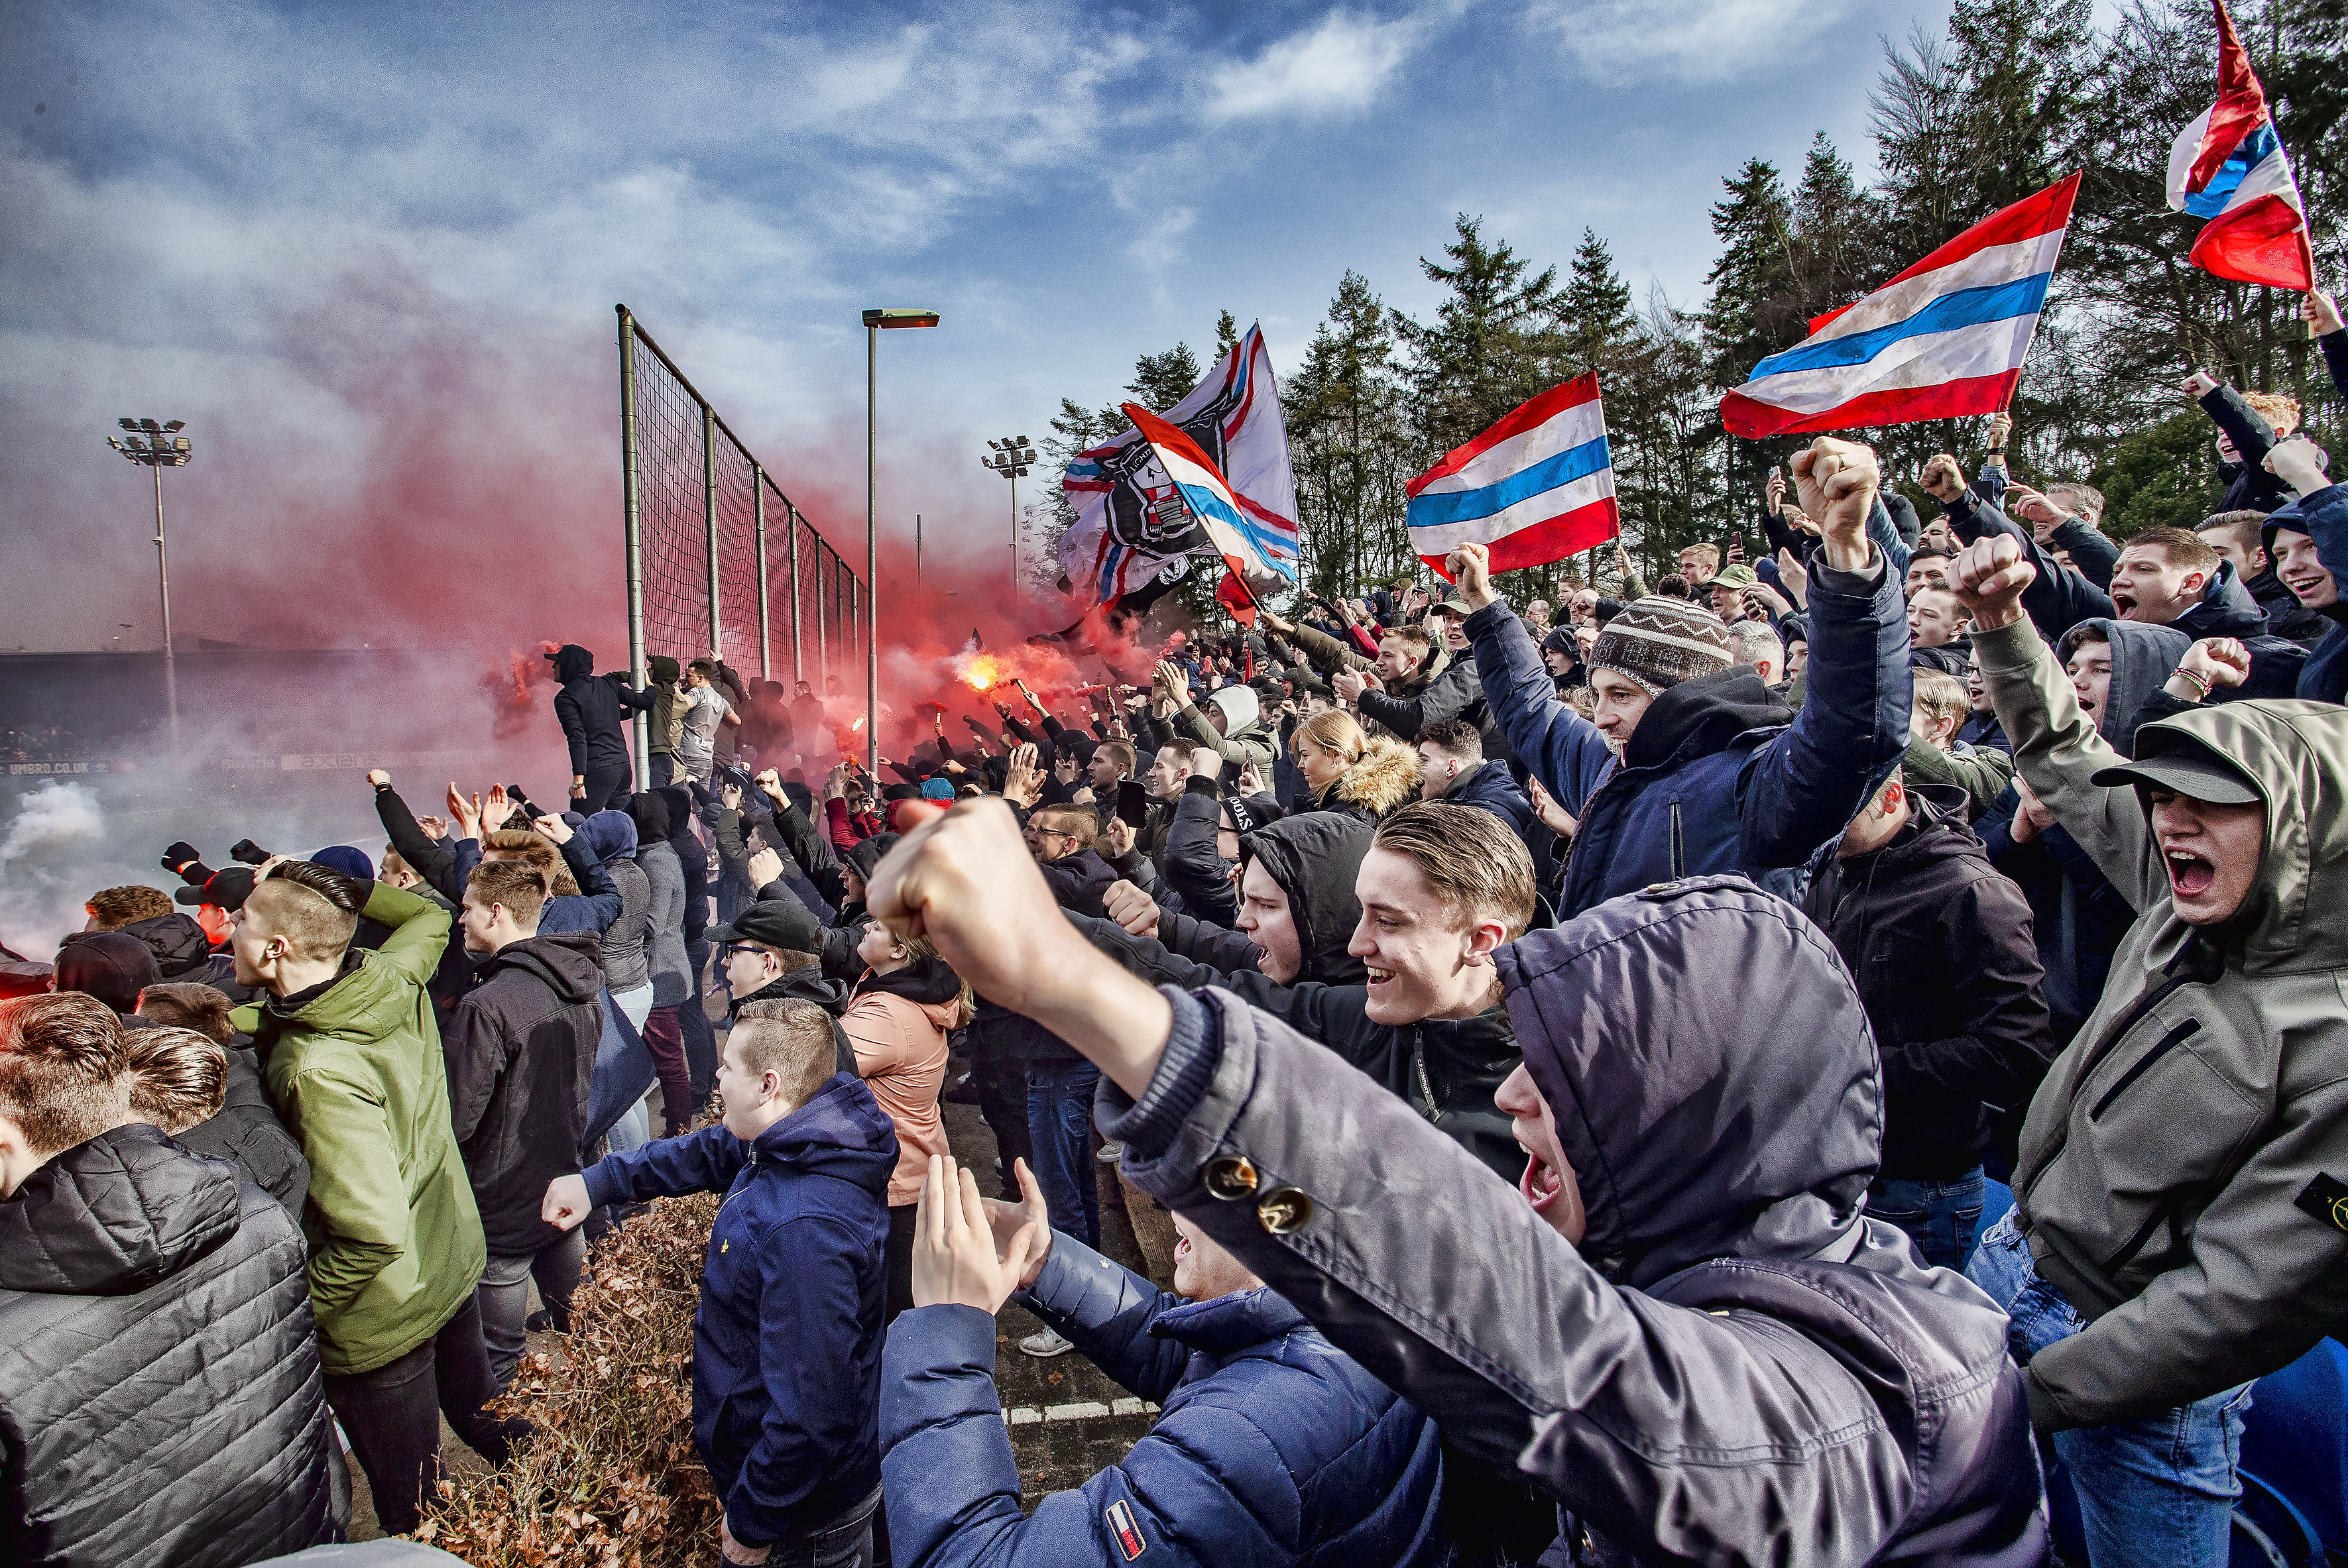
x=2199, y=680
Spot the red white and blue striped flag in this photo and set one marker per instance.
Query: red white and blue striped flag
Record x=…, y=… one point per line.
x=1536, y=487
x=1249, y=548
x=2228, y=166
x=1946, y=337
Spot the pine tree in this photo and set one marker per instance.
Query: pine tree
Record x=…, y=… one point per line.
x=1348, y=444
x=1227, y=334
x=1597, y=309
x=1162, y=380
x=1495, y=342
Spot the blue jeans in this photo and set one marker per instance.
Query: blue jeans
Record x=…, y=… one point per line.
x=2160, y=1489
x=1060, y=1126
x=1942, y=1218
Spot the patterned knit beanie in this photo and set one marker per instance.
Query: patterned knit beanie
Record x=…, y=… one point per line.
x=1657, y=642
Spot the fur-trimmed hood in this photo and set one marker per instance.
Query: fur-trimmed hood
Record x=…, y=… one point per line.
x=1386, y=777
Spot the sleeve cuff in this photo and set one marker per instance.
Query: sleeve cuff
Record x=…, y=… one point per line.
x=2045, y=1414
x=1484, y=620
x=1194, y=1049
x=604, y=1183
x=1860, y=584
x=1198, y=784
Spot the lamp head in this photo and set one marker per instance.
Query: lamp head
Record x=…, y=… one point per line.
x=900, y=316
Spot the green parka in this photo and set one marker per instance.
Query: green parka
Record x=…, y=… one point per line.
x=356, y=1073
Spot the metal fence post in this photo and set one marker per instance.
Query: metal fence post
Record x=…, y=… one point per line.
x=759, y=524
x=709, y=515
x=822, y=644
x=798, y=664
x=632, y=514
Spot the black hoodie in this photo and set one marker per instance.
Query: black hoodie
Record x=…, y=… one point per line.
x=1947, y=966
x=591, y=712
x=521, y=1052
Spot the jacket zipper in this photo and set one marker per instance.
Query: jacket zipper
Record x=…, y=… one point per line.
x=2119, y=1260
x=1426, y=1089
x=1679, y=846
x=2183, y=1031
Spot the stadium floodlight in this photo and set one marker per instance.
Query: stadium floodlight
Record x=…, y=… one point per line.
x=163, y=448
x=1013, y=458
x=875, y=320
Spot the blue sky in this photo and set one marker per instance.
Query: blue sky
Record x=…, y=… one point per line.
x=370, y=253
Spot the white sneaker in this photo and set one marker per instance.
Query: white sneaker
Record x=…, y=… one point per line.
x=1110, y=1152
x=1044, y=1342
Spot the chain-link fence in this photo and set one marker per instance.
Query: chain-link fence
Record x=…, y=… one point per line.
x=719, y=561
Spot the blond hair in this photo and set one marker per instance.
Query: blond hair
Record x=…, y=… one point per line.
x=2278, y=411
x=1334, y=731
x=1942, y=697
x=1475, y=861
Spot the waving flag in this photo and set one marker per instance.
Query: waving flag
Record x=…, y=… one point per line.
x=1944, y=338
x=1537, y=487
x=2228, y=166
x=1132, y=531
x=1251, y=550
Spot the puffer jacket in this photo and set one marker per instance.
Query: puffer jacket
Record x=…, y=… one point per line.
x=1718, y=775
x=1383, y=779
x=356, y=1073
x=180, y=947
x=1270, y=1448
x=787, y=1337
x=897, y=1025
x=1735, y=1366
x=521, y=1051
x=247, y=1132
x=590, y=708
x=2180, y=1165
x=161, y=1405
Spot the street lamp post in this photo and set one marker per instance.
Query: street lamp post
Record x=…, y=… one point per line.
x=1012, y=456
x=874, y=320
x=160, y=447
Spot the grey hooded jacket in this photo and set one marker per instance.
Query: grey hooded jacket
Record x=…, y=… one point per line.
x=1735, y=1366
x=2182, y=1161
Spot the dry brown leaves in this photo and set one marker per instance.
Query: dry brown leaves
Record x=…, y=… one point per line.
x=611, y=1478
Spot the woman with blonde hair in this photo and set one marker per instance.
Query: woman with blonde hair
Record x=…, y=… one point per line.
x=1351, y=771
x=897, y=1022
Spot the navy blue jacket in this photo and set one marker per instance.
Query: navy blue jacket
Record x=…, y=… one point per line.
x=1489, y=788
x=786, y=1342
x=1735, y=786
x=2322, y=515
x=1272, y=1447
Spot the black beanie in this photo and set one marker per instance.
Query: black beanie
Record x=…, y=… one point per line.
x=108, y=964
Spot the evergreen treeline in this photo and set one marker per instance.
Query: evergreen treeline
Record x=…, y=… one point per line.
x=2016, y=95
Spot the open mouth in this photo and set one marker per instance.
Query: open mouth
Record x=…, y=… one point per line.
x=2189, y=876
x=2124, y=602
x=1541, y=1184
x=1377, y=976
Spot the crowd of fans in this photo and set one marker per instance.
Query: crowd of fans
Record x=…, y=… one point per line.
x=1579, y=1047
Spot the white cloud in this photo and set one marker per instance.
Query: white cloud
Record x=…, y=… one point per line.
x=1621, y=42
x=1336, y=68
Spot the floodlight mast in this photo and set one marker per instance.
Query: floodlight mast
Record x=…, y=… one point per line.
x=1013, y=456
x=157, y=446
